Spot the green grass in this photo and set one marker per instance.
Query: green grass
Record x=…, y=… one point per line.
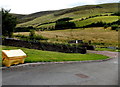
x=96, y=35
x=107, y=19
x=48, y=56
x=76, y=13
x=47, y=25
x=107, y=49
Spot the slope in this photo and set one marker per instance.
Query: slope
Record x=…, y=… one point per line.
x=75, y=13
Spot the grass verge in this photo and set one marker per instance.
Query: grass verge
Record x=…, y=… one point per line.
x=107, y=49
x=48, y=56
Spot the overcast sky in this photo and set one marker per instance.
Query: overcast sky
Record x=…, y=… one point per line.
x=31, y=6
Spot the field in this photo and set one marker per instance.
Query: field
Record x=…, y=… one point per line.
x=107, y=19
x=76, y=13
x=47, y=25
x=97, y=35
x=48, y=56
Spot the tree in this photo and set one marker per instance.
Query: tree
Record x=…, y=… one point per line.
x=8, y=23
x=116, y=13
x=64, y=19
x=115, y=26
x=32, y=34
x=64, y=23
x=106, y=26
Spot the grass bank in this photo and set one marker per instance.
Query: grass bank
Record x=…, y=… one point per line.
x=107, y=49
x=48, y=56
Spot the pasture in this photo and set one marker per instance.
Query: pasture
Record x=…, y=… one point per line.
x=98, y=35
x=76, y=13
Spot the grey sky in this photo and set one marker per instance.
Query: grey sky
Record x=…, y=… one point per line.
x=31, y=6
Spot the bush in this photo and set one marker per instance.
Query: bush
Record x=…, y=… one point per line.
x=29, y=38
x=106, y=26
x=64, y=25
x=32, y=33
x=116, y=13
x=39, y=37
x=114, y=27
x=97, y=24
x=64, y=19
x=24, y=29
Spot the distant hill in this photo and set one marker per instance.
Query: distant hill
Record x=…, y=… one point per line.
x=29, y=17
x=19, y=16
x=76, y=13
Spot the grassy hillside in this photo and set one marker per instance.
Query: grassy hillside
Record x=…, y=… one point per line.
x=98, y=36
x=89, y=13
x=19, y=16
x=32, y=16
x=76, y=13
x=81, y=23
x=107, y=19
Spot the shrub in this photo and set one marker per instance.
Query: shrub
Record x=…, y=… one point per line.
x=39, y=37
x=114, y=27
x=20, y=36
x=116, y=13
x=29, y=38
x=64, y=23
x=106, y=26
x=24, y=29
x=64, y=19
x=32, y=34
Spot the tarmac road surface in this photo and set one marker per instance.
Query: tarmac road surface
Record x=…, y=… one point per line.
x=95, y=73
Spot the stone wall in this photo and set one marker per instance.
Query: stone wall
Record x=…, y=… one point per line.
x=44, y=46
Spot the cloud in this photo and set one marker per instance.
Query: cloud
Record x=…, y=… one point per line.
x=107, y=1
x=30, y=6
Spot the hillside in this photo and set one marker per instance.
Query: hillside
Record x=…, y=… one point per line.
x=107, y=19
x=19, y=16
x=76, y=13
x=98, y=35
x=32, y=16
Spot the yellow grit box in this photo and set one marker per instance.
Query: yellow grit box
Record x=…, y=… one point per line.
x=10, y=57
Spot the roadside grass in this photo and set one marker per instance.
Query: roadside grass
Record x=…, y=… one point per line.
x=107, y=49
x=97, y=35
x=34, y=55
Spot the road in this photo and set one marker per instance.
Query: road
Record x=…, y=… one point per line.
x=95, y=73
